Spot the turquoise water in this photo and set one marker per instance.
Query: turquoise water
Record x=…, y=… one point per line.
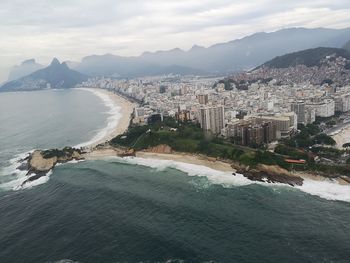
x=131, y=210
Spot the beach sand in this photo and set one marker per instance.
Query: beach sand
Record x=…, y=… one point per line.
x=342, y=137
x=177, y=157
x=126, y=108
x=188, y=158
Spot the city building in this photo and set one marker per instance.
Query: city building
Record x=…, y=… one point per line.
x=203, y=98
x=211, y=118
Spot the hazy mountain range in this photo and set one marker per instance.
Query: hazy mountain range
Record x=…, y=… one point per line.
x=241, y=54
x=56, y=76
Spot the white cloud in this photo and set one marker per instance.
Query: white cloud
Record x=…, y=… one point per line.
x=71, y=29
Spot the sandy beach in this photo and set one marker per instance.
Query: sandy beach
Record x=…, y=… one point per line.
x=188, y=158
x=342, y=137
x=178, y=157
x=125, y=110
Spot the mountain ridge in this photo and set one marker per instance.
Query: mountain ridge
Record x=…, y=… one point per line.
x=236, y=55
x=57, y=75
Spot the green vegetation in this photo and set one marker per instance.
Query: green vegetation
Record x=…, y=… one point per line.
x=67, y=151
x=323, y=138
x=291, y=152
x=309, y=143
x=327, y=152
x=162, y=89
x=308, y=136
x=226, y=82
x=346, y=145
x=188, y=137
x=330, y=170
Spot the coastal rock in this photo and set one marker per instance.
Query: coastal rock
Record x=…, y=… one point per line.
x=34, y=177
x=161, y=148
x=37, y=163
x=126, y=153
x=40, y=162
x=271, y=174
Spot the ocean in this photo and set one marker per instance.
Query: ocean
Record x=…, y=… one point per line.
x=137, y=210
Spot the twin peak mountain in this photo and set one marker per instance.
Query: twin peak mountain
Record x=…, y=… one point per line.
x=56, y=76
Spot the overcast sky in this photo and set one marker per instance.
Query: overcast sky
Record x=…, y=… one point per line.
x=72, y=29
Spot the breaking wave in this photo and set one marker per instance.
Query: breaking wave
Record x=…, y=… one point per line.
x=112, y=120
x=326, y=189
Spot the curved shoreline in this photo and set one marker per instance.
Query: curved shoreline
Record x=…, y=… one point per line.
x=118, y=120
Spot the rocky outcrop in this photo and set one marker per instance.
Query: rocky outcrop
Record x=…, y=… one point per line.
x=40, y=162
x=269, y=174
x=162, y=148
x=37, y=163
x=127, y=153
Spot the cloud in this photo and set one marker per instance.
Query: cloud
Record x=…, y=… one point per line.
x=71, y=29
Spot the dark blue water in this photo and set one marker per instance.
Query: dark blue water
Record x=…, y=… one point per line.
x=115, y=211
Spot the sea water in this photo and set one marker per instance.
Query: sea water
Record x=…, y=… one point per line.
x=137, y=210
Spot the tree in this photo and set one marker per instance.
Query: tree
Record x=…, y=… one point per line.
x=346, y=145
x=162, y=89
x=323, y=138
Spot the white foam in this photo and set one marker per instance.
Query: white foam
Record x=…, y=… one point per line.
x=326, y=189
x=18, y=177
x=39, y=181
x=214, y=176
x=13, y=176
x=112, y=121
x=72, y=161
x=330, y=190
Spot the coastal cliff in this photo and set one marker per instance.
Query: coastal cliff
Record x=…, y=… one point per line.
x=161, y=148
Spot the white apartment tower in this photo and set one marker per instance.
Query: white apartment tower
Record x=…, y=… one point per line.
x=212, y=118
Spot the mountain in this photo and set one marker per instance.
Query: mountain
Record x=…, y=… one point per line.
x=56, y=76
x=347, y=46
x=117, y=66
x=236, y=55
x=27, y=67
x=72, y=64
x=309, y=57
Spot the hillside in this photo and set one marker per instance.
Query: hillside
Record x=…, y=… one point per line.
x=55, y=76
x=309, y=57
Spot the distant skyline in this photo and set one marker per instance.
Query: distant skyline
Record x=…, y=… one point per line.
x=70, y=30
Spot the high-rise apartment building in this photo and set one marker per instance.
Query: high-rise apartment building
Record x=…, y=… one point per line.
x=212, y=118
x=203, y=98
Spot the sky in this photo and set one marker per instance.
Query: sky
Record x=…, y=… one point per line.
x=72, y=29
